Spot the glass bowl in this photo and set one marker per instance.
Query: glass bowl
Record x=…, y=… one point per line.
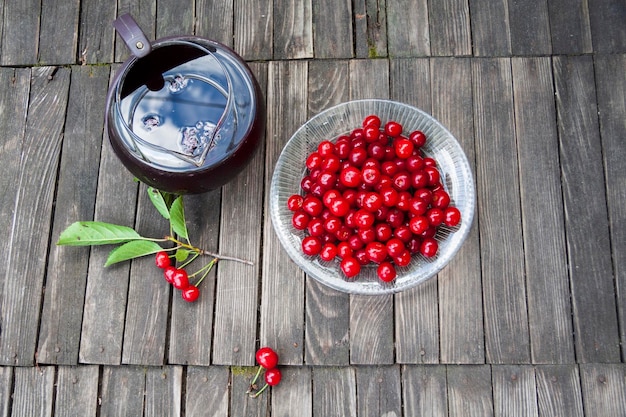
x=453, y=165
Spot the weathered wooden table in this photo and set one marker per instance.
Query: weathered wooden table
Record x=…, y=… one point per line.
x=529, y=319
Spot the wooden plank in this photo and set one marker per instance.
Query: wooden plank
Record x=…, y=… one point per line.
x=570, y=27
x=76, y=391
x=294, y=395
x=490, y=28
x=586, y=225
x=529, y=23
x=38, y=165
x=501, y=244
x=370, y=28
x=549, y=307
x=20, y=27
x=411, y=18
x=13, y=107
x=461, y=333
x=293, y=29
x=33, y=391
x=144, y=12
x=240, y=403
x=206, y=388
x=163, y=391
x=334, y=391
x=333, y=33
x=469, y=391
x=608, y=31
x=6, y=389
x=327, y=323
x=424, y=390
x=106, y=292
x=237, y=294
x=416, y=321
x=191, y=324
x=148, y=295
x=96, y=32
x=449, y=24
x=378, y=391
x=210, y=26
x=610, y=93
x=371, y=318
x=59, y=333
x=253, y=26
x=514, y=390
x=604, y=389
x=58, y=32
x=121, y=391
x=174, y=18
x=558, y=390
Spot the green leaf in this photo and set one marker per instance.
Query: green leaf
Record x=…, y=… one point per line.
x=96, y=233
x=182, y=255
x=131, y=250
x=177, y=218
x=156, y=197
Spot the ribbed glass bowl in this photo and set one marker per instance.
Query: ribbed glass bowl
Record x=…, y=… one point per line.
x=456, y=178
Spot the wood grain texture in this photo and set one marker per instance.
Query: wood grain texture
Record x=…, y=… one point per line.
x=240, y=403
x=415, y=315
x=174, y=18
x=586, y=225
x=59, y=334
x=461, y=333
x=424, y=390
x=214, y=20
x=164, y=390
x=514, y=390
x=490, y=28
x=6, y=389
x=96, y=32
x=569, y=26
x=33, y=203
x=254, y=23
x=529, y=24
x=501, y=244
x=206, y=388
x=122, y=391
x=148, y=295
x=469, y=391
x=608, y=31
x=191, y=324
x=549, y=308
x=370, y=28
x=293, y=29
x=610, y=93
x=237, y=292
x=282, y=323
x=327, y=320
x=334, y=391
x=414, y=38
x=58, y=34
x=332, y=32
x=294, y=396
x=144, y=12
x=604, y=389
x=76, y=391
x=20, y=29
x=558, y=390
x=378, y=391
x=33, y=391
x=107, y=288
x=450, y=31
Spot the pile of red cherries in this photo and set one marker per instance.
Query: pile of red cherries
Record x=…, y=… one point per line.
x=372, y=197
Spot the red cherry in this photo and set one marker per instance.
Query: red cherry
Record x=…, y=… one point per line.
x=393, y=129
x=300, y=220
x=180, y=279
x=191, y=293
x=435, y=216
x=314, y=161
x=162, y=260
x=294, y=202
x=451, y=216
x=350, y=177
x=266, y=357
x=376, y=252
x=311, y=245
x=169, y=274
x=350, y=267
x=326, y=148
x=386, y=272
x=418, y=138
x=272, y=377
x=429, y=247
x=403, y=147
x=372, y=119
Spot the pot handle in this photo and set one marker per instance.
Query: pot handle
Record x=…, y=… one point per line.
x=132, y=35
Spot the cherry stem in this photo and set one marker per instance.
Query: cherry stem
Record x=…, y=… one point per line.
x=256, y=394
x=207, y=268
x=205, y=252
x=258, y=372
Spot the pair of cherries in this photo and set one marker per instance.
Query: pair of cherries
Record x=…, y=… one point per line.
x=267, y=359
